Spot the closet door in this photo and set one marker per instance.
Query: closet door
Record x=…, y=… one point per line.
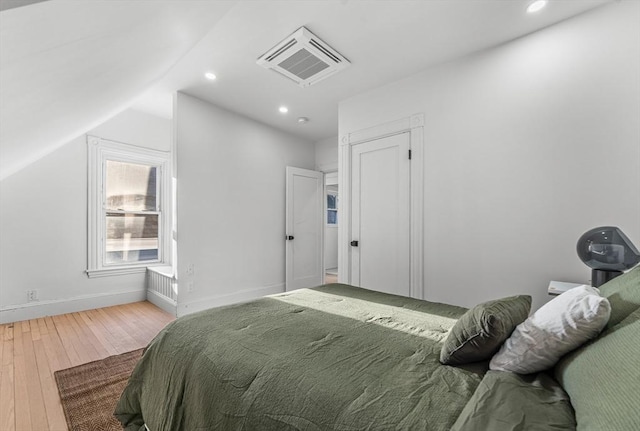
x=380, y=214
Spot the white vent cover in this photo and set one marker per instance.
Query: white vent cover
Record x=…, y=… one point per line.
x=303, y=58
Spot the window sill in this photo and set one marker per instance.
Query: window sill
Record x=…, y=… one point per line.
x=109, y=272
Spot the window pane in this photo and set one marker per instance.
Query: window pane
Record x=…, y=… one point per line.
x=331, y=201
x=332, y=217
x=131, y=187
x=131, y=238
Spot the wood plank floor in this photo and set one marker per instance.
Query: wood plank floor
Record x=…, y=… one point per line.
x=330, y=278
x=31, y=351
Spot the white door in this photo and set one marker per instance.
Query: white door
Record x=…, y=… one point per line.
x=304, y=228
x=380, y=209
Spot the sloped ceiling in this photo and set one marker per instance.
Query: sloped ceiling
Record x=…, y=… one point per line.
x=68, y=65
x=10, y=4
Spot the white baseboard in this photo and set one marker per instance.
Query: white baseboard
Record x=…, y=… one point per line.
x=161, y=301
x=229, y=298
x=35, y=310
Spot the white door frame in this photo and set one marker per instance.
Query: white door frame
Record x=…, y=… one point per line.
x=415, y=126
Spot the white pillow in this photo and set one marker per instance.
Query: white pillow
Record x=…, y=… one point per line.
x=559, y=326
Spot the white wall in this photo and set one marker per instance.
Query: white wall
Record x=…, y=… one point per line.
x=43, y=227
x=330, y=247
x=527, y=146
x=231, y=204
x=326, y=154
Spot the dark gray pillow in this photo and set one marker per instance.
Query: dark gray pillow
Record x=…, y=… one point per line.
x=480, y=332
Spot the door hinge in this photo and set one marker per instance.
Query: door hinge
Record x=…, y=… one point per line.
x=409, y=154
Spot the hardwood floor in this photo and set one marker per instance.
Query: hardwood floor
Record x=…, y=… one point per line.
x=330, y=278
x=31, y=351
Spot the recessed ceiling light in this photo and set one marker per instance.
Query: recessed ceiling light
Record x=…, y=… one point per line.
x=210, y=76
x=303, y=120
x=283, y=109
x=536, y=6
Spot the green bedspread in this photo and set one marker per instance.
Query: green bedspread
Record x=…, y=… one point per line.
x=510, y=402
x=331, y=358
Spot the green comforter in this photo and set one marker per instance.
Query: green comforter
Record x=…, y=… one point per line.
x=335, y=357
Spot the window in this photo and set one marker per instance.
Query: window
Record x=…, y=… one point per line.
x=332, y=209
x=131, y=213
x=128, y=215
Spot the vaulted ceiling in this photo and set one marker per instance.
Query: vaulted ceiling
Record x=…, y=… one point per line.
x=68, y=65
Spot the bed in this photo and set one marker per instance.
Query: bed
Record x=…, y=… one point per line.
x=338, y=357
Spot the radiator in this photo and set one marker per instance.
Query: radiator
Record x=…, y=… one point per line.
x=162, y=282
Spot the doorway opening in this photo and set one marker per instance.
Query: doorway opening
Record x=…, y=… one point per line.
x=331, y=220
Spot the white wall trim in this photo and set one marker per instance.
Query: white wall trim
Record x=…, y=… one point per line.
x=35, y=310
x=383, y=130
x=417, y=207
x=415, y=126
x=229, y=298
x=344, y=204
x=93, y=273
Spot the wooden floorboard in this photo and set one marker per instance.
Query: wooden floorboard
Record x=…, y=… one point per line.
x=59, y=324
x=7, y=386
x=56, y=353
x=22, y=404
x=34, y=388
x=31, y=351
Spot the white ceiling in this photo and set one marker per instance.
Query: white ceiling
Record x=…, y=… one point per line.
x=61, y=76
x=66, y=66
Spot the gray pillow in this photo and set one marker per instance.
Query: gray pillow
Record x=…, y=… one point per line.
x=480, y=332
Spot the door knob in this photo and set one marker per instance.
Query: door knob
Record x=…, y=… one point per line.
x=354, y=243
x=289, y=237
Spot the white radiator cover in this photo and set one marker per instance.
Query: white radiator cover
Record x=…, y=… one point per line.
x=162, y=288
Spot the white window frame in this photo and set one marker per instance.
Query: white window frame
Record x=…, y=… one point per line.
x=99, y=151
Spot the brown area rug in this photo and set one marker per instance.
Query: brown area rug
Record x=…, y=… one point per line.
x=90, y=392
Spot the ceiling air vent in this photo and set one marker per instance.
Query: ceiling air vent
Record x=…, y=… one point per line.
x=303, y=58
